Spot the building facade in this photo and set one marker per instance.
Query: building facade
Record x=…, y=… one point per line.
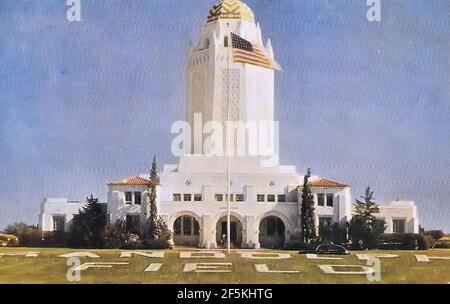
x=230, y=77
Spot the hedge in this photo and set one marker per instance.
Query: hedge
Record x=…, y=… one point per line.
x=404, y=241
x=150, y=244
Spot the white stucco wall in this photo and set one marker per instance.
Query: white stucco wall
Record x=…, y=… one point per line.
x=118, y=208
x=402, y=210
x=57, y=207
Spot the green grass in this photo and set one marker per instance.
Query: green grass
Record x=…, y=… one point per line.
x=48, y=268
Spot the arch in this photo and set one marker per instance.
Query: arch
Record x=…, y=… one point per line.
x=186, y=228
x=237, y=231
x=278, y=224
x=176, y=215
x=272, y=233
x=281, y=216
x=233, y=213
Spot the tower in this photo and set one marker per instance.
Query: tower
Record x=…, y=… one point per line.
x=218, y=81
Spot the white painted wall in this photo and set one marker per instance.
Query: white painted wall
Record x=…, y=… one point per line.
x=406, y=210
x=57, y=207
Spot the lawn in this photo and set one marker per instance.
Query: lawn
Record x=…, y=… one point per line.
x=49, y=268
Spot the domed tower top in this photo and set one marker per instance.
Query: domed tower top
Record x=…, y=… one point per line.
x=231, y=9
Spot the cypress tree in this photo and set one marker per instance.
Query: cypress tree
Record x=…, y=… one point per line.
x=155, y=228
x=307, y=216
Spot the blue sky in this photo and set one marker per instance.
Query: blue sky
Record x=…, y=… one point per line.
x=88, y=102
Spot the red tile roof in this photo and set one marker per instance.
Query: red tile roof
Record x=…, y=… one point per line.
x=132, y=181
x=327, y=183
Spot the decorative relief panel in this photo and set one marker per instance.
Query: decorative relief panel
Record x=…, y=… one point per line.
x=231, y=96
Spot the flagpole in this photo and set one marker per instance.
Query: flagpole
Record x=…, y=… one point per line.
x=230, y=43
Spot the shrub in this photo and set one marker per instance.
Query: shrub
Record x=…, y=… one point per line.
x=404, y=241
x=424, y=242
x=8, y=240
x=131, y=245
x=442, y=245
x=28, y=236
x=434, y=234
x=296, y=243
x=156, y=244
x=54, y=239
x=149, y=244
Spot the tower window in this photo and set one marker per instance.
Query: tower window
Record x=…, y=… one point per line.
x=187, y=197
x=225, y=41
x=219, y=197
x=197, y=197
x=261, y=198
x=177, y=197
x=271, y=198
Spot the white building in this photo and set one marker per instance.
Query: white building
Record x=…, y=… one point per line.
x=265, y=200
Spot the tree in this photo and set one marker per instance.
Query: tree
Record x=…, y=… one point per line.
x=365, y=229
x=117, y=234
x=89, y=226
x=308, y=231
x=26, y=234
x=335, y=233
x=155, y=227
x=434, y=234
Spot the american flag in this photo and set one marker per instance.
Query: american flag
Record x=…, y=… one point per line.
x=246, y=52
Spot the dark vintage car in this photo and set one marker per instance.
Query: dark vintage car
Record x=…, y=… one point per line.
x=330, y=249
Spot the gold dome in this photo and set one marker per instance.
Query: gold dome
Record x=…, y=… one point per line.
x=231, y=9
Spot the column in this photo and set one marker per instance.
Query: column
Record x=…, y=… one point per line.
x=252, y=232
x=208, y=232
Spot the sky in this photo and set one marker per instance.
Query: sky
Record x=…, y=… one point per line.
x=85, y=103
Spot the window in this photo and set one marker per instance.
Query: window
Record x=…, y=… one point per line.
x=225, y=41
x=271, y=198
x=187, y=197
x=321, y=199
x=219, y=197
x=398, y=226
x=330, y=200
x=137, y=198
x=325, y=221
x=281, y=198
x=177, y=197
x=58, y=222
x=261, y=198
x=186, y=226
x=239, y=197
x=128, y=197
x=197, y=197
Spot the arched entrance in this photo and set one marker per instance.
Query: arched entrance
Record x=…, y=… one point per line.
x=272, y=232
x=186, y=231
x=235, y=232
